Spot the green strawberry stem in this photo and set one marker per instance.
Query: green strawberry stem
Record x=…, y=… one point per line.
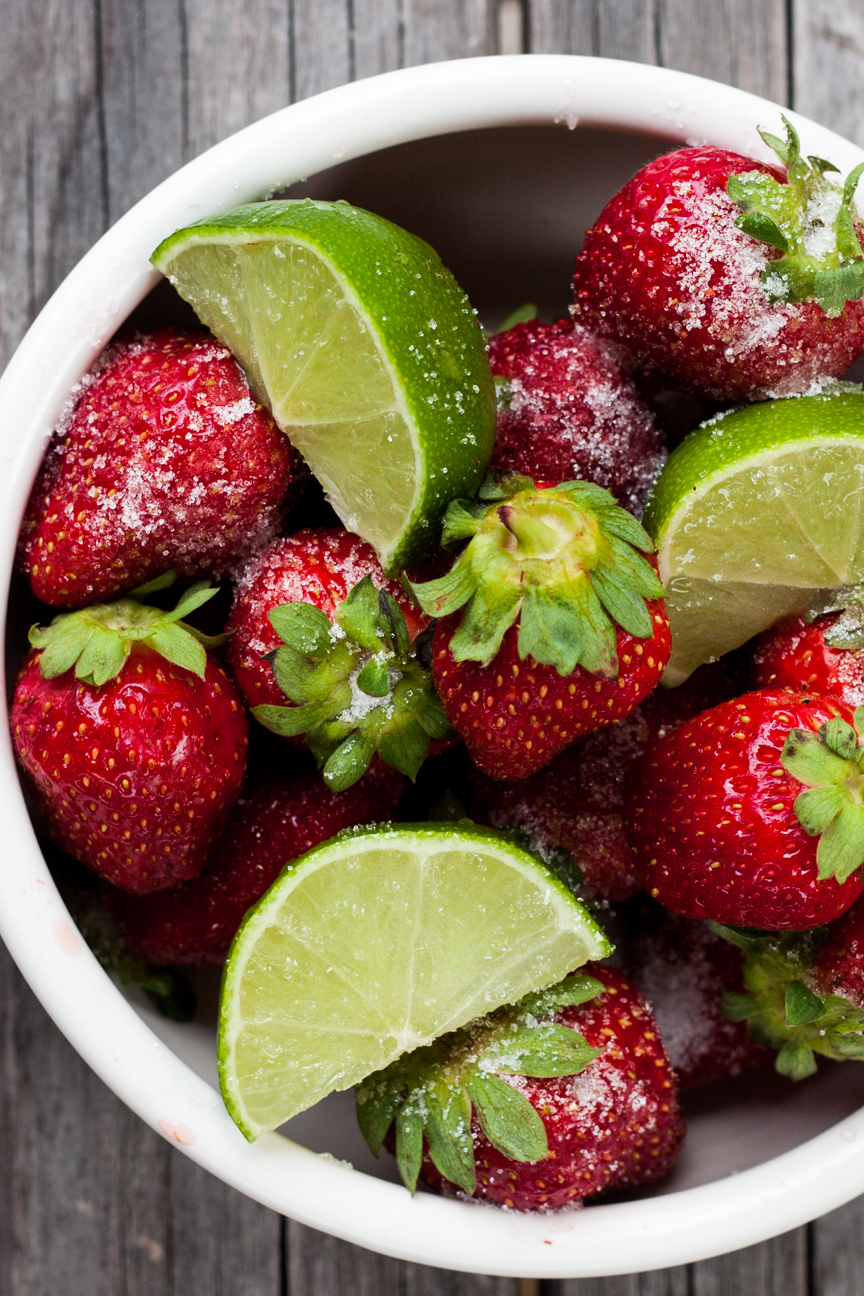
x=810, y=220
x=434, y=1091
x=97, y=640
x=830, y=764
x=357, y=686
x=781, y=1010
x=566, y=563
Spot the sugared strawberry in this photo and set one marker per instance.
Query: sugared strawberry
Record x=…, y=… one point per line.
x=134, y=740
x=274, y=822
x=804, y=992
x=563, y=629
x=164, y=462
x=576, y=804
x=823, y=656
x=750, y=813
x=740, y=279
x=568, y=411
x=564, y=1096
x=685, y=970
x=342, y=659
x=317, y=566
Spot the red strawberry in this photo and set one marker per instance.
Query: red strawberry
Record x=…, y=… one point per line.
x=725, y=811
x=564, y=1096
x=273, y=823
x=729, y=275
x=804, y=992
x=685, y=970
x=344, y=670
x=576, y=804
x=312, y=566
x=136, y=754
x=563, y=629
x=566, y=410
x=824, y=656
x=165, y=461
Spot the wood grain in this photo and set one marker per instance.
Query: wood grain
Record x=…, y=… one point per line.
x=99, y=101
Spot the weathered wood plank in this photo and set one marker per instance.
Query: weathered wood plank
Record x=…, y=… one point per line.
x=776, y=1268
x=435, y=30
x=837, y=1258
x=663, y=1282
x=828, y=63
x=736, y=41
x=622, y=29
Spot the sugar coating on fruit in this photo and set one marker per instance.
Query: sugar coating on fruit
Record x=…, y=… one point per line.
x=667, y=272
x=568, y=411
x=163, y=460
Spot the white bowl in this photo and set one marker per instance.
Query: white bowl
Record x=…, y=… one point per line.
x=530, y=214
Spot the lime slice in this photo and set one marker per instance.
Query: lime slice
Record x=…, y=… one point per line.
x=376, y=943
x=757, y=515
x=363, y=346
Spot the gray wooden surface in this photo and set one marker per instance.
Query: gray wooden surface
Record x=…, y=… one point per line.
x=99, y=100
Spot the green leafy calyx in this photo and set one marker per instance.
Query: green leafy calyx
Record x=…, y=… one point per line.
x=566, y=563
x=810, y=220
x=830, y=764
x=434, y=1092
x=780, y=1005
x=357, y=685
x=97, y=640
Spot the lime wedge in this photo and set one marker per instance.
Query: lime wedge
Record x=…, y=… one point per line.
x=376, y=943
x=757, y=515
x=363, y=346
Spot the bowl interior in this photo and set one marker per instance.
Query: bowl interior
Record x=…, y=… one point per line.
x=506, y=209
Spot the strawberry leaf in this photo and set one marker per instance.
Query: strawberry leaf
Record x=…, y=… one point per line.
x=802, y=1005
x=550, y=631
x=544, y=1052
x=816, y=807
x=349, y=762
x=176, y=645
x=409, y=1145
x=840, y=738
x=448, y=1130
x=303, y=627
x=796, y=1060
x=374, y=679
x=404, y=744
x=359, y=615
x=507, y=1118
x=841, y=847
x=807, y=758
x=377, y=1105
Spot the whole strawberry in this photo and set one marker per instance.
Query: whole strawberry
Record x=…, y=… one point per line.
x=344, y=668
x=133, y=738
x=804, y=992
x=739, y=279
x=317, y=566
x=577, y=803
x=750, y=813
x=274, y=822
x=566, y=1095
x=563, y=629
x=686, y=971
x=822, y=656
x=567, y=410
x=165, y=462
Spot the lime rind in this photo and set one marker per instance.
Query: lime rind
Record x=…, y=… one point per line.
x=375, y=944
x=756, y=516
x=423, y=332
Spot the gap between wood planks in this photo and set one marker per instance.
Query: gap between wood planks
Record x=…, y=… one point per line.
x=510, y=23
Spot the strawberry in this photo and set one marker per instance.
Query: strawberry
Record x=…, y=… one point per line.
x=576, y=804
x=824, y=655
x=567, y=410
x=740, y=279
x=686, y=970
x=566, y=1095
x=164, y=461
x=341, y=657
x=563, y=629
x=724, y=813
x=133, y=738
x=275, y=821
x=804, y=992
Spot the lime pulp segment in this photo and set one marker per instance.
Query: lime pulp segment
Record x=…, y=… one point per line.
x=756, y=516
x=377, y=943
x=364, y=348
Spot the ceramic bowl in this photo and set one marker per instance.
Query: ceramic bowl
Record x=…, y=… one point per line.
x=501, y=163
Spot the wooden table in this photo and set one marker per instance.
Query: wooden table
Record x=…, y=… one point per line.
x=99, y=100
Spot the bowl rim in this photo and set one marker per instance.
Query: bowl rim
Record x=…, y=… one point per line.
x=72, y=328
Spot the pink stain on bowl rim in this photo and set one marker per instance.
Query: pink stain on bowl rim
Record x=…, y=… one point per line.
x=67, y=939
x=178, y=1132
